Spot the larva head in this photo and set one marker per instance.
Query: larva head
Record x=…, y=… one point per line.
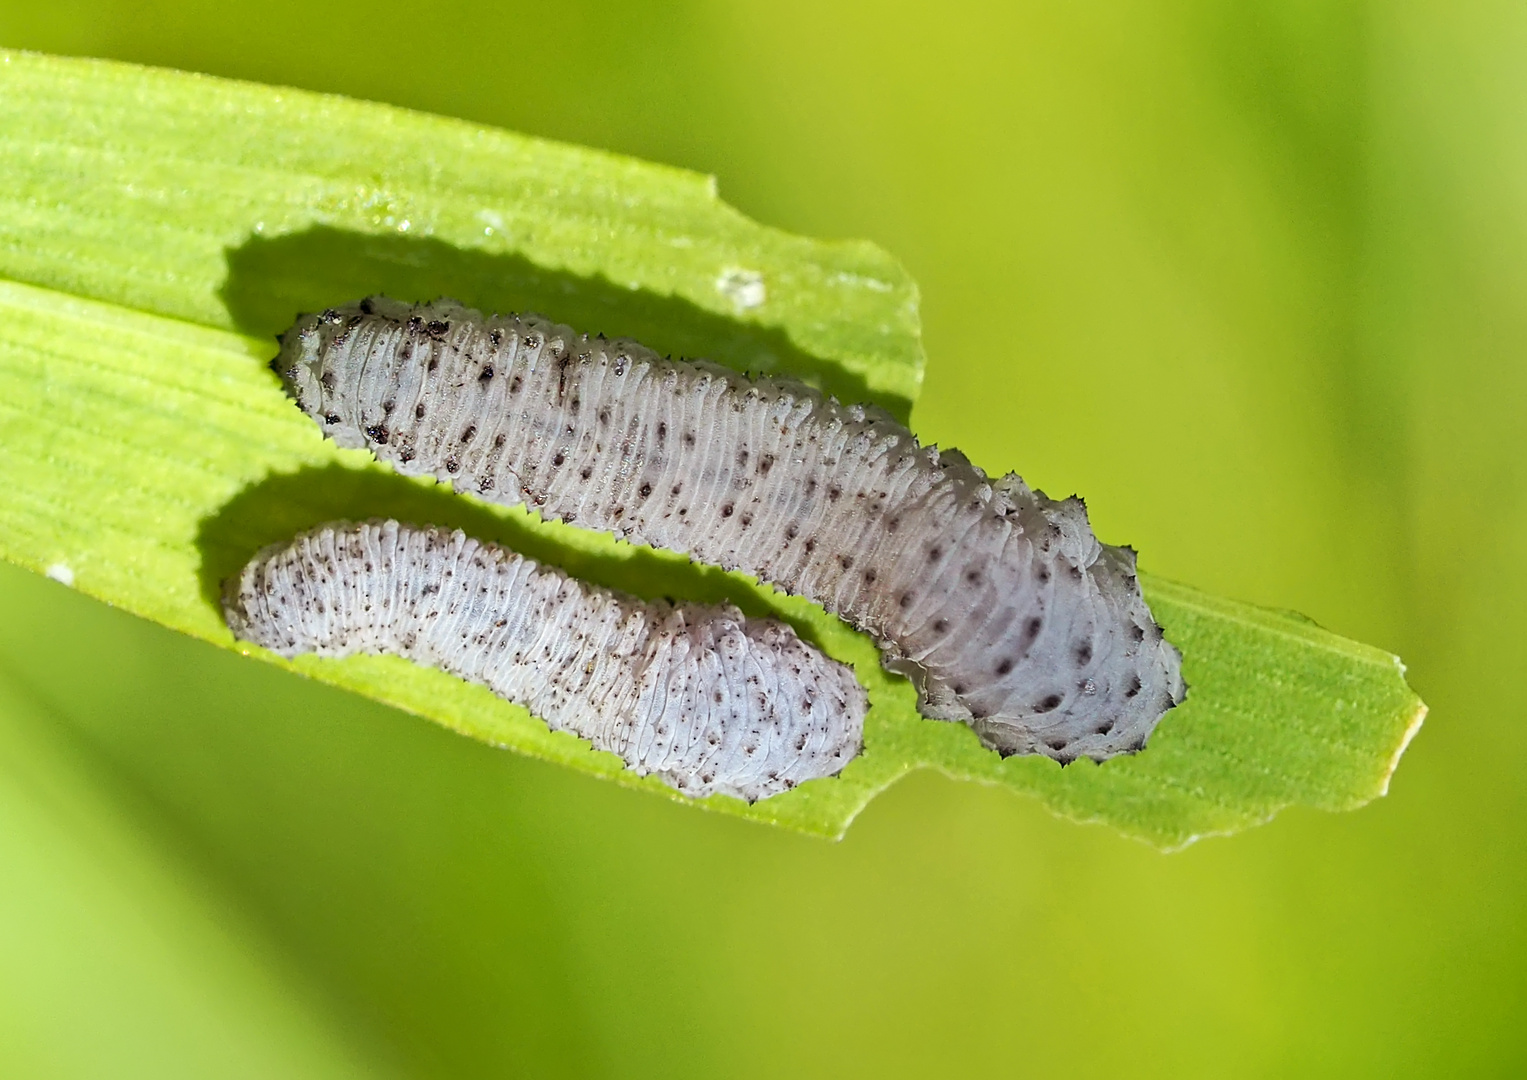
x=324, y=357
x=305, y=368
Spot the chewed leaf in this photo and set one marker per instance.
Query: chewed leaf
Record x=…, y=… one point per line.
x=158, y=228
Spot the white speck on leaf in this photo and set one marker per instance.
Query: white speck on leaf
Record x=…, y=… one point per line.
x=745, y=288
x=61, y=573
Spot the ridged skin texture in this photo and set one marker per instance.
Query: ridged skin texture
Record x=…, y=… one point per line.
x=998, y=602
x=707, y=700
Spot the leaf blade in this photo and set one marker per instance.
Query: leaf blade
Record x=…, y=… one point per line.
x=151, y=455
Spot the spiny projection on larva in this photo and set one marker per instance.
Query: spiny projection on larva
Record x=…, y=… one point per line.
x=697, y=695
x=998, y=602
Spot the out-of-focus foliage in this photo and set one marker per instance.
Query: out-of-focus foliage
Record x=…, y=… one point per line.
x=1249, y=276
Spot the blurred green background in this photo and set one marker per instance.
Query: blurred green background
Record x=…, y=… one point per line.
x=1251, y=276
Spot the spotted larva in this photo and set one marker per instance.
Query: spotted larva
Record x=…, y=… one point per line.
x=705, y=699
x=998, y=602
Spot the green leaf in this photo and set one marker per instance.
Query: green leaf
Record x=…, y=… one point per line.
x=157, y=228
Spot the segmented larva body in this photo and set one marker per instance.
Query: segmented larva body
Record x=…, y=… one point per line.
x=698, y=695
x=998, y=602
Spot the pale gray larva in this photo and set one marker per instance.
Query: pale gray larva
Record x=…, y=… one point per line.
x=998, y=602
x=705, y=699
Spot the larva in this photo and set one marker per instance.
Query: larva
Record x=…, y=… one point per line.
x=998, y=602
x=700, y=696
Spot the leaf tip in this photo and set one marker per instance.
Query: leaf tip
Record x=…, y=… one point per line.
x=1418, y=717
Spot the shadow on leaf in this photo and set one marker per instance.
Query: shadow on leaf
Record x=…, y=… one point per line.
x=271, y=280
x=279, y=507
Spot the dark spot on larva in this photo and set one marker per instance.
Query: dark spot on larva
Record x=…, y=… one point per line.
x=1136, y=631
x=940, y=625
x=792, y=530
x=1083, y=653
x=405, y=455
x=604, y=414
x=972, y=577
x=742, y=457
x=905, y=601
x=466, y=436
x=515, y=384
x=330, y=316
x=765, y=463
x=1004, y=667
x=726, y=511
x=486, y=375
x=810, y=545
x=689, y=438
x=845, y=561
x=644, y=491
x=662, y=430
x=419, y=411
x=573, y=405
x=438, y=329
x=499, y=440
x=367, y=307
x=327, y=379
x=1055, y=744
x=496, y=337
x=1035, y=624
x=387, y=407
x=959, y=688
x=869, y=577
x=745, y=520
x=558, y=459
x=331, y=418
x=452, y=465
x=935, y=553
x=1044, y=574
x=1049, y=704
x=891, y=524
x=434, y=362
x=415, y=325
x=676, y=488
x=484, y=484
x=1076, y=571
x=834, y=493
x=586, y=472
x=377, y=433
